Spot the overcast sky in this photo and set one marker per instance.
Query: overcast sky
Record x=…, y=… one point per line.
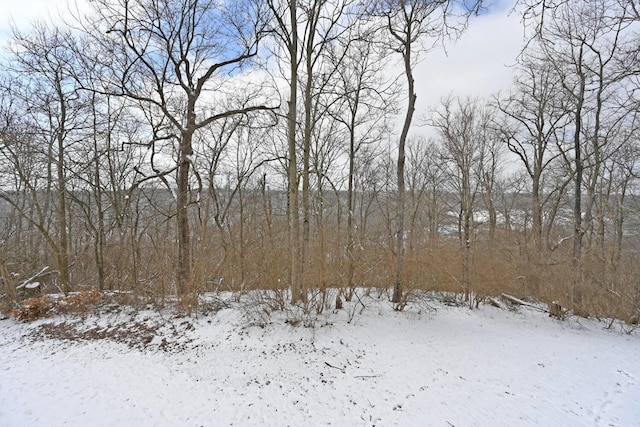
x=476, y=65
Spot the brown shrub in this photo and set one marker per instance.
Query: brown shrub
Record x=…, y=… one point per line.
x=33, y=309
x=79, y=303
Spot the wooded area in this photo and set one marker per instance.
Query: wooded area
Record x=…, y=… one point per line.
x=170, y=148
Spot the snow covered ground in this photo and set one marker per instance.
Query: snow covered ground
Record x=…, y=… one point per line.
x=431, y=365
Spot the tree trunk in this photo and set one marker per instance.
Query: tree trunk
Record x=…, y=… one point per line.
x=306, y=149
x=100, y=232
x=7, y=279
x=536, y=213
x=397, y=289
x=578, y=231
x=351, y=209
x=490, y=207
x=466, y=257
x=62, y=254
x=183, y=268
x=297, y=288
x=97, y=190
x=467, y=217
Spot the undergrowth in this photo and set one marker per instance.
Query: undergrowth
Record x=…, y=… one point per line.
x=78, y=303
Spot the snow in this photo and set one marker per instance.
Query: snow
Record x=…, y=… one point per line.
x=32, y=285
x=431, y=365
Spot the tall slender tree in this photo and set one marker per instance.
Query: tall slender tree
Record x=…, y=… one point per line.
x=411, y=27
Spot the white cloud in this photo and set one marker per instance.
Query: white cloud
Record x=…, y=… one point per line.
x=475, y=65
x=23, y=12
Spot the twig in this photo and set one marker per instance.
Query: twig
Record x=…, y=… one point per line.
x=343, y=370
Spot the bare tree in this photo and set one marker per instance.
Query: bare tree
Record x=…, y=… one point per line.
x=305, y=30
x=170, y=57
x=464, y=127
x=426, y=181
x=532, y=122
x=622, y=173
x=361, y=101
x=409, y=26
x=231, y=153
x=509, y=188
x=325, y=22
x=583, y=42
x=285, y=27
x=45, y=71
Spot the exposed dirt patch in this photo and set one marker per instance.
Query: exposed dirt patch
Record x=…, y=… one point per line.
x=147, y=334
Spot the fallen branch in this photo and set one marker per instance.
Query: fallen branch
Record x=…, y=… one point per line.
x=45, y=271
x=518, y=301
x=494, y=302
x=561, y=241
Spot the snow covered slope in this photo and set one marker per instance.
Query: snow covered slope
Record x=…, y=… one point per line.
x=445, y=367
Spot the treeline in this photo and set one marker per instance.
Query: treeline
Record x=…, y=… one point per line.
x=174, y=148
